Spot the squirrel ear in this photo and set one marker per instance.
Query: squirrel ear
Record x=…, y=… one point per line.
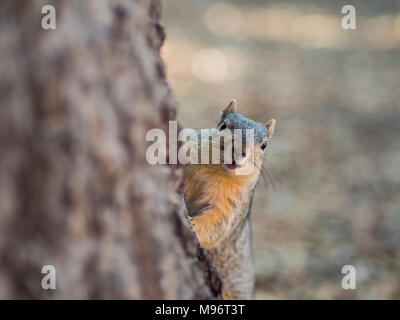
x=232, y=107
x=270, y=125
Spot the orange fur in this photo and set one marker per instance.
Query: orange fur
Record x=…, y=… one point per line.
x=213, y=185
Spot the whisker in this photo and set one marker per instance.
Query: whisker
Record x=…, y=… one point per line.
x=269, y=175
x=266, y=175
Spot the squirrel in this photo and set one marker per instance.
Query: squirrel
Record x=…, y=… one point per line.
x=218, y=198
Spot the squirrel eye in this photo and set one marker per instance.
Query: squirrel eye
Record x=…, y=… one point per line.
x=222, y=126
x=264, y=145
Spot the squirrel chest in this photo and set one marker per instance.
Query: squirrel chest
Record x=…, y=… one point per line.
x=216, y=202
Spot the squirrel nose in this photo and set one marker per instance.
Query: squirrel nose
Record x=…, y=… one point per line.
x=237, y=152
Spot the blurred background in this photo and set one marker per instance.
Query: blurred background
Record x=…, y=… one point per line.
x=335, y=156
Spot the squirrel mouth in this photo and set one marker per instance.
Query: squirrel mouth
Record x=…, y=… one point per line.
x=232, y=166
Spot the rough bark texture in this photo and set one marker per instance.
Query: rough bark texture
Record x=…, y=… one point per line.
x=76, y=191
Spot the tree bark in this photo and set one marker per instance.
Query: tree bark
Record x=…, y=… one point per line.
x=76, y=191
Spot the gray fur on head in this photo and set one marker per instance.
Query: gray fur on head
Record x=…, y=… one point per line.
x=235, y=120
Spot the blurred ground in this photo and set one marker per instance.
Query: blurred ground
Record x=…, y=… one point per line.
x=335, y=157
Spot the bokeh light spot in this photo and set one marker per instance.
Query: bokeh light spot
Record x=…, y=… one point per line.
x=210, y=65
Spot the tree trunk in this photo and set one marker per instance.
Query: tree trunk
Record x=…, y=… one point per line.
x=76, y=191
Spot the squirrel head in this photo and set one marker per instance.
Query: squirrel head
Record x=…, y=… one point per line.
x=249, y=140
